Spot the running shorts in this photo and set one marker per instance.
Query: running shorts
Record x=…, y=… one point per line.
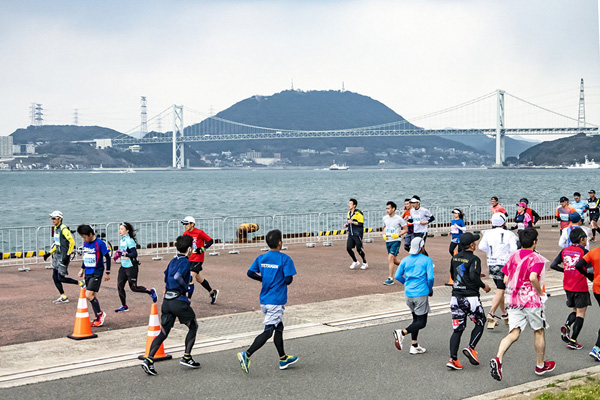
x=418, y=305
x=463, y=307
x=92, y=282
x=273, y=313
x=195, y=266
x=393, y=247
x=173, y=309
x=578, y=299
x=594, y=215
x=521, y=317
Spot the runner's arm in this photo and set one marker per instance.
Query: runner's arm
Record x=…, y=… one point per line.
x=536, y=217
x=582, y=266
x=475, y=273
x=288, y=279
x=179, y=279
x=67, y=234
x=254, y=275
x=556, y=263
x=107, y=260
x=535, y=282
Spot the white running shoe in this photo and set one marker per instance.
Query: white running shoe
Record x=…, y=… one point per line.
x=417, y=350
x=364, y=266
x=354, y=264
x=398, y=338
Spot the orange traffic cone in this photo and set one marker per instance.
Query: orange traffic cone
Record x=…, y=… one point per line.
x=83, y=326
x=153, y=331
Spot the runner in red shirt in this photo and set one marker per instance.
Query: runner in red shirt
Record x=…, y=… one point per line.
x=496, y=207
x=201, y=242
x=575, y=285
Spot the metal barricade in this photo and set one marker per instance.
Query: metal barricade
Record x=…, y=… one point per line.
x=18, y=246
x=298, y=228
x=245, y=231
x=331, y=227
x=151, y=236
x=212, y=226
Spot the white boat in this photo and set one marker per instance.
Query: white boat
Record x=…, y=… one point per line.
x=586, y=165
x=335, y=167
x=127, y=171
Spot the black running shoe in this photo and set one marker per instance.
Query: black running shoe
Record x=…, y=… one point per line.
x=148, y=367
x=213, y=296
x=188, y=361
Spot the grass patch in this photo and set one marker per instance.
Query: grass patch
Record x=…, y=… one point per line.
x=590, y=391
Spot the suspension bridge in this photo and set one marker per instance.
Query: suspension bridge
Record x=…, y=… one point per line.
x=490, y=115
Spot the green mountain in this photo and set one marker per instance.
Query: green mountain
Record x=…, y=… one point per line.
x=67, y=133
x=564, y=151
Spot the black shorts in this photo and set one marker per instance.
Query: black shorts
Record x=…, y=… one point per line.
x=594, y=216
x=500, y=284
x=196, y=266
x=173, y=309
x=578, y=299
x=92, y=283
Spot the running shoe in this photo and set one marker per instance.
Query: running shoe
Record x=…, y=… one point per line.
x=153, y=295
x=548, y=366
x=99, y=321
x=244, y=361
x=188, y=361
x=81, y=283
x=565, y=333
x=364, y=266
x=417, y=350
x=148, y=367
x=213, y=296
x=354, y=264
x=595, y=353
x=573, y=345
x=61, y=300
x=289, y=360
x=398, y=338
x=122, y=309
x=454, y=364
x=388, y=281
x=471, y=355
x=496, y=368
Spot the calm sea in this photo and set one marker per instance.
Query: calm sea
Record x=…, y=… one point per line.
x=28, y=197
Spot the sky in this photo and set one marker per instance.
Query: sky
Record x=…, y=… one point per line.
x=415, y=56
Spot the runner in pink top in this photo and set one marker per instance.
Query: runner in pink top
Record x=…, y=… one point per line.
x=496, y=207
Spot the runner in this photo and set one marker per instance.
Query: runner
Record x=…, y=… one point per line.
x=421, y=218
x=129, y=266
x=355, y=225
x=61, y=250
x=201, y=242
x=522, y=219
x=94, y=254
x=576, y=222
x=579, y=205
x=409, y=223
x=524, y=279
x=416, y=274
x=176, y=305
x=457, y=228
x=575, y=286
x=496, y=207
x=563, y=211
x=535, y=217
x=499, y=244
x=591, y=262
x=593, y=212
x=276, y=271
x=394, y=227
x=465, y=271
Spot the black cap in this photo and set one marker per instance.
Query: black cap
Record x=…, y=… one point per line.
x=467, y=238
x=563, y=199
x=576, y=194
x=524, y=200
x=592, y=191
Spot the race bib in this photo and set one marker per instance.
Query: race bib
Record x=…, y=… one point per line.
x=454, y=229
x=89, y=260
x=56, y=238
x=564, y=217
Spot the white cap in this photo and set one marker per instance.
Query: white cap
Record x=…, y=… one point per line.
x=56, y=214
x=415, y=200
x=416, y=245
x=498, y=219
x=188, y=220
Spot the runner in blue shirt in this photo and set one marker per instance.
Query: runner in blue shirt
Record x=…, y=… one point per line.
x=276, y=271
x=580, y=205
x=176, y=305
x=94, y=254
x=457, y=228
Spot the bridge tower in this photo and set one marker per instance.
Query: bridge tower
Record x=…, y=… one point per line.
x=500, y=138
x=178, y=155
x=581, y=116
x=143, y=117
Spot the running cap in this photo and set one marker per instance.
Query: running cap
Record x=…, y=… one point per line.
x=524, y=200
x=456, y=211
x=522, y=204
x=563, y=199
x=467, y=238
x=415, y=200
x=416, y=245
x=498, y=219
x=592, y=191
x=56, y=214
x=574, y=217
x=188, y=220
x=576, y=194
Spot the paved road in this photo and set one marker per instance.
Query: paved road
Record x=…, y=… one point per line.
x=352, y=364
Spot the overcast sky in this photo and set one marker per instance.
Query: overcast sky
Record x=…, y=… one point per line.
x=416, y=57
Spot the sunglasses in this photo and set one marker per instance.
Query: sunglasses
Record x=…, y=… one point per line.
x=55, y=218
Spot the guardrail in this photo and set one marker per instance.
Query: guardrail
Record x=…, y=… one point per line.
x=24, y=246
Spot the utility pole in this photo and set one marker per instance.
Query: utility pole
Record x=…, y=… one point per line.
x=144, y=117
x=32, y=114
x=581, y=116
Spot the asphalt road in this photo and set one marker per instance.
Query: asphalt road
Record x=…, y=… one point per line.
x=352, y=364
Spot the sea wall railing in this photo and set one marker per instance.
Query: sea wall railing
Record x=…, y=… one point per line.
x=24, y=246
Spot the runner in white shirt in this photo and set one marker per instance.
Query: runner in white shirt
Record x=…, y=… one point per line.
x=394, y=227
x=576, y=222
x=499, y=244
x=421, y=218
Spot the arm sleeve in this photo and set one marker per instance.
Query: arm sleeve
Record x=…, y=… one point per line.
x=288, y=279
x=67, y=234
x=536, y=217
x=131, y=252
x=179, y=279
x=582, y=268
x=107, y=260
x=208, y=244
x=556, y=263
x=253, y=275
x=207, y=239
x=475, y=272
x=430, y=276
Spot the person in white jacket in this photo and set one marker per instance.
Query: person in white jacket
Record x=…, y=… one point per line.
x=498, y=244
x=576, y=222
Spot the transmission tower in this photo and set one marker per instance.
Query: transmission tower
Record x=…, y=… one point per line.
x=32, y=114
x=39, y=115
x=581, y=116
x=144, y=126
x=76, y=117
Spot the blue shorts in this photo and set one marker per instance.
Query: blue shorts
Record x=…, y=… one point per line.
x=393, y=247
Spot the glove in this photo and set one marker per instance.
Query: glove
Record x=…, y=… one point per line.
x=190, y=290
x=118, y=254
x=46, y=256
x=431, y=293
x=200, y=250
x=385, y=237
x=395, y=236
